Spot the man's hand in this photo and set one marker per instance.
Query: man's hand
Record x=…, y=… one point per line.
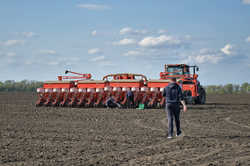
x=184, y=105
x=185, y=108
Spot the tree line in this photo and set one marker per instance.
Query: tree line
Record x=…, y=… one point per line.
x=228, y=89
x=25, y=85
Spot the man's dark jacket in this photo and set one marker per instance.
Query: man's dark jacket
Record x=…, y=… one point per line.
x=173, y=93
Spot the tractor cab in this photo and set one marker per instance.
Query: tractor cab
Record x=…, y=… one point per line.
x=179, y=71
x=187, y=78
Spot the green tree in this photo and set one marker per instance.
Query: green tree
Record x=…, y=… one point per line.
x=1, y=86
x=24, y=85
x=244, y=87
x=236, y=88
x=248, y=88
x=228, y=88
x=220, y=89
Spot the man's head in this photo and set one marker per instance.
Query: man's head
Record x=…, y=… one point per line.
x=173, y=79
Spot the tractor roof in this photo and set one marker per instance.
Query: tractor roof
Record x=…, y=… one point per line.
x=178, y=65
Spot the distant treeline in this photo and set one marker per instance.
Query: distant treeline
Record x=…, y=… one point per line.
x=25, y=85
x=228, y=89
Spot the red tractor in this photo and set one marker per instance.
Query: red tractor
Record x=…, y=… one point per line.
x=193, y=92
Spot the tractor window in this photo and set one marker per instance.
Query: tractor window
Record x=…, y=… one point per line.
x=174, y=70
x=186, y=71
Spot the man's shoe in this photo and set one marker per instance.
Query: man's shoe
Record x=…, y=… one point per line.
x=178, y=134
x=119, y=106
x=170, y=137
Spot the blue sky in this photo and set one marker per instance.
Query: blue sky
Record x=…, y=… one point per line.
x=41, y=39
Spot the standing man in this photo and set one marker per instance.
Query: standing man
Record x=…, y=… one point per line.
x=130, y=98
x=174, y=96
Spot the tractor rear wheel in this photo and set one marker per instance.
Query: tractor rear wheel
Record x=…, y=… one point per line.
x=202, y=97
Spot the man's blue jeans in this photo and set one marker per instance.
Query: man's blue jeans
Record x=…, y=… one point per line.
x=173, y=112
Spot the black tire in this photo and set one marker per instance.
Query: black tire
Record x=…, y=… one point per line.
x=202, y=97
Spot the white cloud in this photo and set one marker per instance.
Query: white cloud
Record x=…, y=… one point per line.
x=128, y=30
x=106, y=63
x=203, y=56
x=98, y=58
x=11, y=61
x=28, y=62
x=94, y=51
x=132, y=53
x=50, y=52
x=9, y=43
x=8, y=54
x=53, y=63
x=93, y=6
x=102, y=61
x=200, y=59
x=161, y=31
x=248, y=39
x=11, y=54
x=29, y=34
x=247, y=2
x=159, y=41
x=125, y=41
x=93, y=33
x=188, y=37
x=125, y=30
x=227, y=49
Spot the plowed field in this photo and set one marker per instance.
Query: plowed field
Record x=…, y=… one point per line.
x=217, y=133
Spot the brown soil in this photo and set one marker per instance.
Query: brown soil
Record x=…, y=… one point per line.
x=217, y=133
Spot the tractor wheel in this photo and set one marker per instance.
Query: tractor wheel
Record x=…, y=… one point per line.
x=202, y=97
